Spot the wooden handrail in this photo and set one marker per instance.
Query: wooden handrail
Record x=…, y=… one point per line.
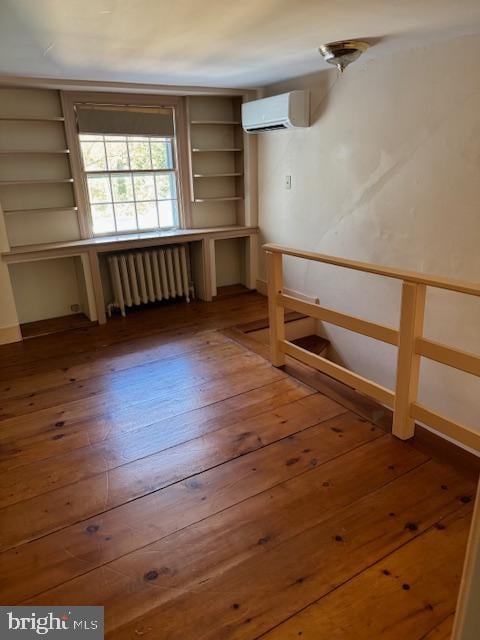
x=470, y=288
x=412, y=346
x=344, y=320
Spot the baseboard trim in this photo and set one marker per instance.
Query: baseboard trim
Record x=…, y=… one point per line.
x=10, y=334
x=261, y=287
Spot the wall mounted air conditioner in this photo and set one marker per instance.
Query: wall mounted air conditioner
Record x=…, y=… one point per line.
x=285, y=111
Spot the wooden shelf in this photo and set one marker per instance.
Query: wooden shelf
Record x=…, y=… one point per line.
x=215, y=128
x=33, y=151
x=217, y=175
x=216, y=122
x=40, y=210
x=4, y=183
x=221, y=199
x=215, y=150
x=31, y=119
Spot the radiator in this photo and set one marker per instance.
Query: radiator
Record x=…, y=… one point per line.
x=140, y=277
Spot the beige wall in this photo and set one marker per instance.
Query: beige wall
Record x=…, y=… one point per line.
x=389, y=172
x=229, y=261
x=46, y=288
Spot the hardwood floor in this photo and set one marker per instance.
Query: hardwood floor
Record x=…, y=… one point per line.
x=54, y=325
x=159, y=467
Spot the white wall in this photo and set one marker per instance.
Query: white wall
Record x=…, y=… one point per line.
x=389, y=172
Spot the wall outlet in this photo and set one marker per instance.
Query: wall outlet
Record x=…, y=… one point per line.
x=288, y=182
x=75, y=308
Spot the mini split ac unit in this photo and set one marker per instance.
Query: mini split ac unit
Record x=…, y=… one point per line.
x=285, y=111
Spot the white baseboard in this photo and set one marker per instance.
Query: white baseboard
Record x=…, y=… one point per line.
x=10, y=334
x=262, y=288
x=293, y=330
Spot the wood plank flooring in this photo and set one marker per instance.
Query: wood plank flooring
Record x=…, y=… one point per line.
x=160, y=468
x=54, y=325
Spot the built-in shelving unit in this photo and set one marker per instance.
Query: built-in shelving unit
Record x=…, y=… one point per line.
x=35, y=173
x=38, y=203
x=216, y=140
x=220, y=189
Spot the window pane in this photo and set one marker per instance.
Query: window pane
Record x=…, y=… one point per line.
x=147, y=215
x=117, y=155
x=162, y=157
x=139, y=155
x=167, y=210
x=93, y=156
x=121, y=199
x=166, y=186
x=95, y=137
x=122, y=188
x=102, y=218
x=125, y=215
x=99, y=189
x=144, y=187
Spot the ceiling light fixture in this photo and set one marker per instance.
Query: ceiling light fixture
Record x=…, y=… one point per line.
x=343, y=52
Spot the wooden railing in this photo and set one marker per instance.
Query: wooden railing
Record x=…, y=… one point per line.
x=408, y=338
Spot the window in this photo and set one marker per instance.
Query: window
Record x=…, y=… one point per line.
x=129, y=166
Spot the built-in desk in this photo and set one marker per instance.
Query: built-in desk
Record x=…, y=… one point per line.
x=89, y=250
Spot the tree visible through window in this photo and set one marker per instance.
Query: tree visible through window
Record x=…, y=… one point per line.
x=131, y=182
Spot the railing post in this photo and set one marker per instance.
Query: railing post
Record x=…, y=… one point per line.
x=408, y=362
x=276, y=313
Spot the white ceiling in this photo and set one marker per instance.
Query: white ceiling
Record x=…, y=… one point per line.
x=247, y=43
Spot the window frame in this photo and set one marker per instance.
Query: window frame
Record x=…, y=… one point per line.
x=111, y=174
x=179, y=152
